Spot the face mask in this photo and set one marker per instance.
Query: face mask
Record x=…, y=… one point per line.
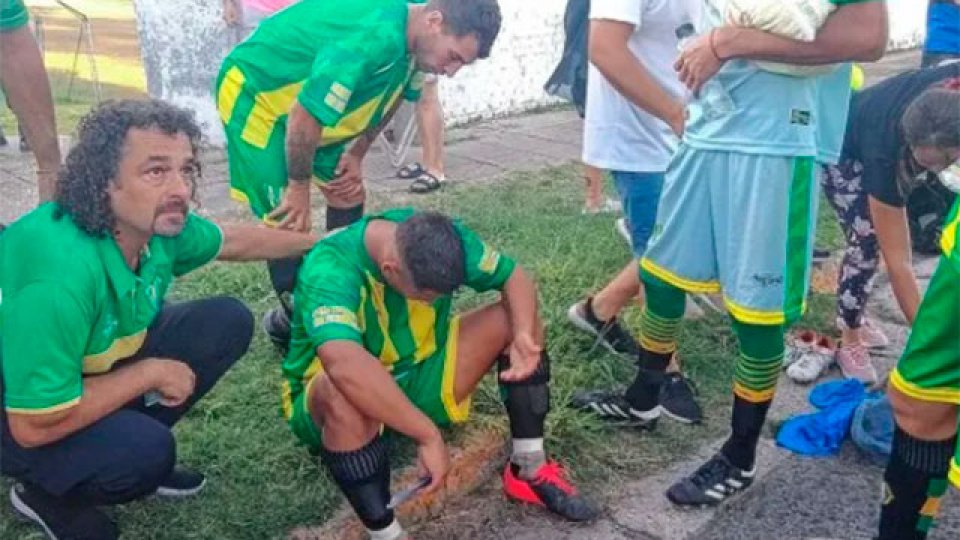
x=951, y=177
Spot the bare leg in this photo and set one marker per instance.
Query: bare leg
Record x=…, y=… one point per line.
x=430, y=124
x=608, y=303
x=593, y=177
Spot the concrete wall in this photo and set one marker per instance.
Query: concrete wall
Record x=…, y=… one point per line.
x=183, y=42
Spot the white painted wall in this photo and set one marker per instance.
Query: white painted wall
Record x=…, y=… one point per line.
x=183, y=42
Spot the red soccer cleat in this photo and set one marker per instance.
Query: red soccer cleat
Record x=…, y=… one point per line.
x=551, y=489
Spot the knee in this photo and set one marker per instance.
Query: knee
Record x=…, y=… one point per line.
x=332, y=407
x=925, y=420
x=235, y=320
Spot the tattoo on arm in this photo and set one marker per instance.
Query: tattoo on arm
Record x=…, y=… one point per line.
x=300, y=150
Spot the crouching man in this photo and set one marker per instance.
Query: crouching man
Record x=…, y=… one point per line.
x=374, y=344
x=97, y=368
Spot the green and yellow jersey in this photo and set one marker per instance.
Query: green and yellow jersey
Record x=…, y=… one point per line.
x=346, y=63
x=341, y=295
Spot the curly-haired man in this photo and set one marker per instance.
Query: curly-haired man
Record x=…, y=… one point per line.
x=96, y=367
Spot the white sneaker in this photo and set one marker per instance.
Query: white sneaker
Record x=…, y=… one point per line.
x=608, y=206
x=799, y=344
x=809, y=367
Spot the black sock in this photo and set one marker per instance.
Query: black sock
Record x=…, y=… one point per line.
x=527, y=401
x=363, y=476
x=341, y=217
x=915, y=479
x=644, y=393
x=747, y=423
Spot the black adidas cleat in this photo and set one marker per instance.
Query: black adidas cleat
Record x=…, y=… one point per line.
x=711, y=484
x=614, y=407
x=677, y=399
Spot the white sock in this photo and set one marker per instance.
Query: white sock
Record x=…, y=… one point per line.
x=528, y=454
x=393, y=532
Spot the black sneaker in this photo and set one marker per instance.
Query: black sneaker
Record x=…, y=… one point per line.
x=181, y=483
x=613, y=406
x=711, y=484
x=677, y=401
x=608, y=333
x=276, y=324
x=59, y=519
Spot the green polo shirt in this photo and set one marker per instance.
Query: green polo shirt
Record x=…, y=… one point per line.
x=70, y=306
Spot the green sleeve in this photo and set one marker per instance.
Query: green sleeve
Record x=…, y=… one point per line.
x=336, y=73
x=414, y=86
x=45, y=329
x=950, y=238
x=13, y=15
x=329, y=301
x=198, y=243
x=486, y=268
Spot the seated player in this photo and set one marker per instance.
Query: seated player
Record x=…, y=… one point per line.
x=375, y=344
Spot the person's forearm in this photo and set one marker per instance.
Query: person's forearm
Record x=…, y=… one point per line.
x=371, y=390
x=520, y=295
x=856, y=32
x=363, y=143
x=101, y=396
x=625, y=72
x=905, y=289
x=257, y=243
x=303, y=137
x=27, y=89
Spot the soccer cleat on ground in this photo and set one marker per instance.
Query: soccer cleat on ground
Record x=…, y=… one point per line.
x=677, y=399
x=181, y=483
x=611, y=405
x=60, y=519
x=711, y=484
x=551, y=489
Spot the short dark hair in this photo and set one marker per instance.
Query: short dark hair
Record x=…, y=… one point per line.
x=432, y=252
x=82, y=187
x=933, y=118
x=478, y=17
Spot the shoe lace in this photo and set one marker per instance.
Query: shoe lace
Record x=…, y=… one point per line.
x=553, y=473
x=710, y=473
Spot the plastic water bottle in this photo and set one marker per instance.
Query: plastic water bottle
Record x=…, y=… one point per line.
x=714, y=99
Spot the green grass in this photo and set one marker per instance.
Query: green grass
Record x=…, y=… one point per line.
x=262, y=484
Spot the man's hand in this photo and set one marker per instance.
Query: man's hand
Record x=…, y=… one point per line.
x=294, y=209
x=173, y=379
x=524, y=358
x=347, y=186
x=698, y=62
x=433, y=461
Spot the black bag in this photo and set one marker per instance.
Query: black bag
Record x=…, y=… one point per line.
x=927, y=208
x=569, y=79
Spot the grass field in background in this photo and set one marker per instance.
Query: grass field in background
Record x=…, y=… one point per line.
x=262, y=484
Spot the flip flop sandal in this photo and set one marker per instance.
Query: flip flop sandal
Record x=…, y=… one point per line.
x=410, y=171
x=425, y=183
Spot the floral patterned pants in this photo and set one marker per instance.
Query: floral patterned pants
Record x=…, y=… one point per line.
x=844, y=190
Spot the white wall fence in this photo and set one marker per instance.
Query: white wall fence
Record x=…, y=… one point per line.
x=183, y=42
